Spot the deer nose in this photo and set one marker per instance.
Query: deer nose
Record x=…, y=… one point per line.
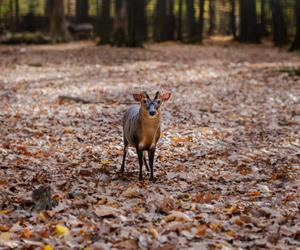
x=152, y=113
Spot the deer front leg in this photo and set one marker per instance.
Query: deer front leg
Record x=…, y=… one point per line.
x=140, y=156
x=151, y=160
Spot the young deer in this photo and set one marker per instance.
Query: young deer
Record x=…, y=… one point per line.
x=141, y=128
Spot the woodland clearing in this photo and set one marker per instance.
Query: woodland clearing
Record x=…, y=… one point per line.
x=227, y=164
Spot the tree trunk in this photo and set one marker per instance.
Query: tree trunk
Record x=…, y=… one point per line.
x=279, y=26
x=232, y=19
x=11, y=15
x=212, y=17
x=171, y=20
x=82, y=11
x=105, y=23
x=191, y=21
x=17, y=15
x=296, y=43
x=160, y=21
x=57, y=20
x=263, y=21
x=120, y=24
x=248, y=22
x=136, y=14
x=179, y=21
x=201, y=21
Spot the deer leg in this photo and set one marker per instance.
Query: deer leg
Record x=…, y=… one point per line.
x=140, y=156
x=151, y=160
x=124, y=156
x=145, y=161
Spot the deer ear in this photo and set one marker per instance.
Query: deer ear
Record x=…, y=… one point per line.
x=137, y=97
x=165, y=96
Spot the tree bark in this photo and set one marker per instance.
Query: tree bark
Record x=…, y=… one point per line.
x=201, y=20
x=232, y=19
x=160, y=21
x=120, y=24
x=179, y=21
x=263, y=19
x=191, y=21
x=136, y=15
x=82, y=11
x=57, y=20
x=248, y=22
x=105, y=23
x=279, y=26
x=17, y=15
x=296, y=43
x=212, y=17
x=171, y=20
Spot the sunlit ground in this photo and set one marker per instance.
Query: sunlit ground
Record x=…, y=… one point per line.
x=228, y=159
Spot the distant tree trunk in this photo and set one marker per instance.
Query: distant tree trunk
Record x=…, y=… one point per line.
x=143, y=19
x=179, y=21
x=98, y=8
x=171, y=20
x=1, y=2
x=82, y=11
x=263, y=20
x=232, y=19
x=48, y=6
x=17, y=15
x=279, y=26
x=201, y=21
x=11, y=15
x=136, y=22
x=212, y=17
x=120, y=24
x=296, y=43
x=191, y=21
x=105, y=23
x=69, y=7
x=248, y=22
x=57, y=30
x=160, y=21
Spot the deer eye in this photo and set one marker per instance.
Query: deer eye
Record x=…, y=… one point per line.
x=145, y=101
x=158, y=101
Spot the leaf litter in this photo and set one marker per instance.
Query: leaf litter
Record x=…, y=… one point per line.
x=227, y=164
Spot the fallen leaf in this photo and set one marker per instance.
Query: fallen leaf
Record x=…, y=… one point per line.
x=178, y=216
x=5, y=236
x=61, y=230
x=48, y=247
x=105, y=211
x=131, y=193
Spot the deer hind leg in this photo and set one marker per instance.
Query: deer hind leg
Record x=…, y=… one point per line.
x=124, y=156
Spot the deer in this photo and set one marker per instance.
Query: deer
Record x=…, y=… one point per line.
x=141, y=129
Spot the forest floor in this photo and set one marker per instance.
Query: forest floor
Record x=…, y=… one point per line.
x=227, y=165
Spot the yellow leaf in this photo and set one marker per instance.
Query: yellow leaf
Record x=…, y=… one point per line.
x=2, y=212
x=215, y=227
x=5, y=236
x=47, y=247
x=182, y=139
x=231, y=209
x=61, y=230
x=105, y=162
x=153, y=231
x=230, y=233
